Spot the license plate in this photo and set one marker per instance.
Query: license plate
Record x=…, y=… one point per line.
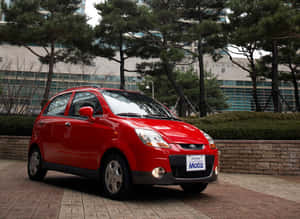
x=195, y=162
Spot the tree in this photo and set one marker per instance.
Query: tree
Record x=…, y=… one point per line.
x=288, y=57
x=280, y=15
x=164, y=40
x=204, y=17
x=165, y=93
x=52, y=25
x=115, y=35
x=243, y=38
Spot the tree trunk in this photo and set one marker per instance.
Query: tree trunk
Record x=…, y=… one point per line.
x=275, y=79
x=255, y=96
x=177, y=87
x=254, y=84
x=122, y=64
x=202, y=100
x=181, y=107
x=296, y=90
x=50, y=76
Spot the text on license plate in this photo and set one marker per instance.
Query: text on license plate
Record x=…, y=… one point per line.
x=195, y=162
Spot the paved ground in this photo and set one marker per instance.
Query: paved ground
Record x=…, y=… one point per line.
x=64, y=196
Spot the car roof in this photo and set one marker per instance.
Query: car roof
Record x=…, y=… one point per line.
x=82, y=88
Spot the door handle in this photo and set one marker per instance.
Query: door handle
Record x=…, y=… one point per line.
x=68, y=124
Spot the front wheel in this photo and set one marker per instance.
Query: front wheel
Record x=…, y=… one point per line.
x=193, y=187
x=115, y=177
x=34, y=165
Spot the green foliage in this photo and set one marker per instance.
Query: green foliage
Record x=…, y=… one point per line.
x=204, y=25
x=250, y=125
x=53, y=25
x=287, y=20
x=205, y=29
x=16, y=125
x=116, y=34
x=231, y=125
x=164, y=92
x=165, y=41
x=57, y=24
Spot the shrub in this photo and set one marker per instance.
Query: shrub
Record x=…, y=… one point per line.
x=229, y=125
x=250, y=125
x=16, y=125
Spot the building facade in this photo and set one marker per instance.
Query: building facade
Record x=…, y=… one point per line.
x=81, y=9
x=23, y=79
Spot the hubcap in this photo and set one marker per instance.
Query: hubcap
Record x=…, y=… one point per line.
x=34, y=163
x=113, y=177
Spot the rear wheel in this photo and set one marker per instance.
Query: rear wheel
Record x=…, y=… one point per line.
x=115, y=177
x=193, y=187
x=34, y=165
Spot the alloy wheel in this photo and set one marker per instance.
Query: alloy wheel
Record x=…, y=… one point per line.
x=113, y=177
x=34, y=163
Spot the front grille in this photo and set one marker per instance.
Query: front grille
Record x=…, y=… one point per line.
x=192, y=146
x=178, y=166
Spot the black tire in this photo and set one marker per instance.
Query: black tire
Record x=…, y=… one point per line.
x=34, y=165
x=194, y=187
x=115, y=177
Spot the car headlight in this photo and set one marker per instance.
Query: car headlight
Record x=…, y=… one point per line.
x=151, y=138
x=210, y=140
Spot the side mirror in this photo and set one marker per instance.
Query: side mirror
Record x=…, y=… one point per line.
x=87, y=111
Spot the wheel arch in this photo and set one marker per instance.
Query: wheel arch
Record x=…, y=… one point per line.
x=33, y=146
x=113, y=151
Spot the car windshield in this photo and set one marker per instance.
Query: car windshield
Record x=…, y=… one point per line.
x=131, y=104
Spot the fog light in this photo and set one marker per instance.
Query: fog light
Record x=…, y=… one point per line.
x=158, y=172
x=216, y=171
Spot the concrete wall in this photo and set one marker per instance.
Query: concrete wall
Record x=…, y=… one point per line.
x=237, y=156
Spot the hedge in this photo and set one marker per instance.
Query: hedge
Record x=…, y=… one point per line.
x=250, y=125
x=16, y=125
x=231, y=125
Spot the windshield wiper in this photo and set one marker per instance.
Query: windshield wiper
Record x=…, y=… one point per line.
x=130, y=115
x=155, y=116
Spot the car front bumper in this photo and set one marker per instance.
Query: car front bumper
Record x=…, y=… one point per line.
x=168, y=179
x=178, y=174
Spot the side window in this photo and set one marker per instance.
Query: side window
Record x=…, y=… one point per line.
x=82, y=99
x=58, y=105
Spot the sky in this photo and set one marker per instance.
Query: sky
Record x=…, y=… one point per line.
x=92, y=12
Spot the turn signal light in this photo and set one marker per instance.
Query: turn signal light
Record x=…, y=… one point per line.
x=213, y=146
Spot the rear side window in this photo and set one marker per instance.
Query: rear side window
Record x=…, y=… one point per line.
x=82, y=99
x=58, y=105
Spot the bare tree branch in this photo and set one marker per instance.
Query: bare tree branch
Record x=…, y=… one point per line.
x=235, y=62
x=33, y=52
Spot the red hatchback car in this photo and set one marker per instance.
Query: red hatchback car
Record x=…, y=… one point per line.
x=122, y=138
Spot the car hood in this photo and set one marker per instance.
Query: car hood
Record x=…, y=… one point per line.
x=172, y=131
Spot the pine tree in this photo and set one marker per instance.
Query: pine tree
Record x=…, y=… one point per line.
x=165, y=93
x=164, y=40
x=204, y=20
x=116, y=33
x=290, y=57
x=276, y=14
x=53, y=25
x=243, y=38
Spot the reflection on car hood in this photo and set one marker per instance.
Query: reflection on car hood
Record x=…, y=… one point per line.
x=172, y=131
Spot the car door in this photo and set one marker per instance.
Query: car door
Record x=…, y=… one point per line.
x=85, y=138
x=52, y=125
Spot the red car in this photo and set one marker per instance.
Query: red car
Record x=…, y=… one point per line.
x=122, y=138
